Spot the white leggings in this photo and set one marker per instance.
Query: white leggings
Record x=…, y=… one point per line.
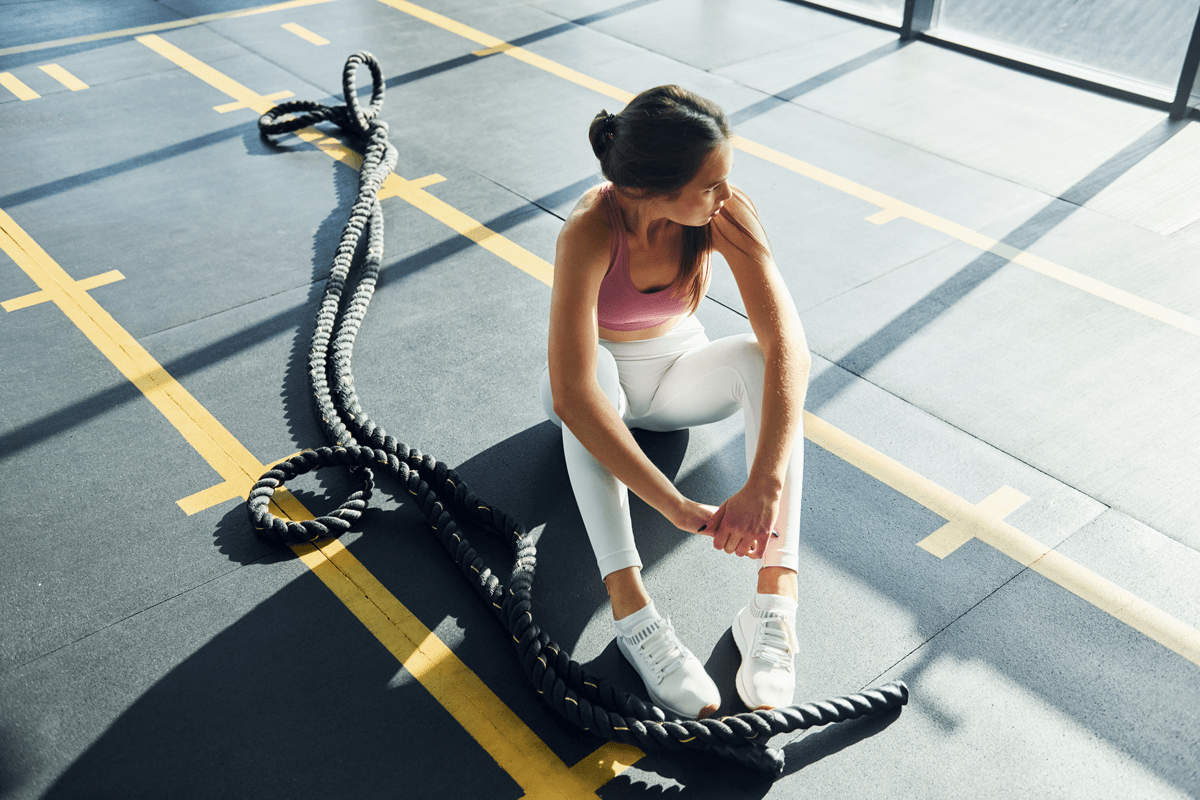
x=675, y=381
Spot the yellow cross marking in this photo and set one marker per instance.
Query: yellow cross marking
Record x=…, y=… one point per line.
x=491, y=51
x=957, y=532
x=32, y=299
x=254, y=102
x=391, y=188
x=237, y=486
x=883, y=216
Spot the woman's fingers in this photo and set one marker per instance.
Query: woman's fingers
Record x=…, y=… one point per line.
x=713, y=527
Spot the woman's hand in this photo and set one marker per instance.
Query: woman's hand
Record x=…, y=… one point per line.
x=745, y=522
x=692, y=517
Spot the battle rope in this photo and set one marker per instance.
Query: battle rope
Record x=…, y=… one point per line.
x=588, y=701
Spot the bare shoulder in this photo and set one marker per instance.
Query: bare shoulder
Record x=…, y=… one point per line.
x=738, y=229
x=586, y=233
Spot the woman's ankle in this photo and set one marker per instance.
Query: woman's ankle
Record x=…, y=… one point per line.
x=778, y=581
x=626, y=592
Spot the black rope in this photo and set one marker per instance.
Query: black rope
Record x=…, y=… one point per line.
x=587, y=701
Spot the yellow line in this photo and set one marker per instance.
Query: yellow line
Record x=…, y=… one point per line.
x=214, y=78
x=270, y=99
x=65, y=78
x=304, y=33
x=160, y=26
x=891, y=208
x=500, y=46
x=14, y=85
x=984, y=524
x=34, y=298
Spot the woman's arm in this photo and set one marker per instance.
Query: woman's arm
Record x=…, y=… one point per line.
x=746, y=520
x=580, y=262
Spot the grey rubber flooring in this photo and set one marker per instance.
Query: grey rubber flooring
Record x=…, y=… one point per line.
x=997, y=278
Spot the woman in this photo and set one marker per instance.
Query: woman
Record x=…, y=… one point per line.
x=625, y=351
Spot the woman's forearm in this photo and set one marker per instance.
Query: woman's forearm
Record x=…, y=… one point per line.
x=784, y=389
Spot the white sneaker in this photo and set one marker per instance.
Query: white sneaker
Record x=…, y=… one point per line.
x=675, y=678
x=766, y=638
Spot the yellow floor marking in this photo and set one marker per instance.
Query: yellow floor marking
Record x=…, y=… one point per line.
x=953, y=535
x=34, y=298
x=606, y=763
x=883, y=217
x=891, y=208
x=65, y=78
x=225, y=108
x=304, y=33
x=417, y=183
x=413, y=193
x=497, y=729
x=159, y=26
x=984, y=522
x=226, y=490
x=491, y=51
x=245, y=98
x=494, y=45
x=14, y=85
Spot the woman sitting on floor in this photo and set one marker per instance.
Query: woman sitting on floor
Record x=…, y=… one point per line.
x=626, y=351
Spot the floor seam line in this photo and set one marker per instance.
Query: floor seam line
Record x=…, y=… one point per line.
x=128, y=617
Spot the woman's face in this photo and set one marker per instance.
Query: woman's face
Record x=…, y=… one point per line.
x=703, y=197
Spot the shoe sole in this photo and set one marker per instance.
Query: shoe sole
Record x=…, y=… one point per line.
x=743, y=647
x=653, y=697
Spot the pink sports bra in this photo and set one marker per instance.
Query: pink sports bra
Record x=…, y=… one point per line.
x=621, y=306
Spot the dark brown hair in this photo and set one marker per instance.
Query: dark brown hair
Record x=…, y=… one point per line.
x=653, y=148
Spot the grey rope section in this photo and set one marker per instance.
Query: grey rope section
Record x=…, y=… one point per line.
x=589, y=702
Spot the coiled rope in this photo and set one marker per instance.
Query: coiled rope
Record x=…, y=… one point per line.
x=587, y=701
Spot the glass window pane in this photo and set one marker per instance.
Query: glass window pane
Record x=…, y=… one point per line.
x=889, y=11
x=1144, y=40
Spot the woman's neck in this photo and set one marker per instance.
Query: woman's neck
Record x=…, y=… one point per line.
x=643, y=219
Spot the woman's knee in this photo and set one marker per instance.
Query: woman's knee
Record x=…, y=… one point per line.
x=751, y=360
x=608, y=378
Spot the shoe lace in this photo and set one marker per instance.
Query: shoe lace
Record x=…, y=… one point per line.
x=774, y=639
x=662, y=649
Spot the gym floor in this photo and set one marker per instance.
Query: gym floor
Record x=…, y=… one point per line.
x=996, y=274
